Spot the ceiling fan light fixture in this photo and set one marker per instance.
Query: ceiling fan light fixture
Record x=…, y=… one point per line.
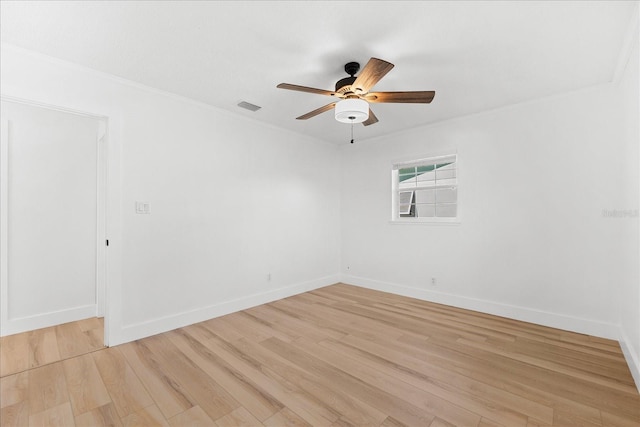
x=352, y=111
x=356, y=95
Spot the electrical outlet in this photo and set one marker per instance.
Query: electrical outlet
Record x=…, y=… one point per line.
x=433, y=281
x=143, y=208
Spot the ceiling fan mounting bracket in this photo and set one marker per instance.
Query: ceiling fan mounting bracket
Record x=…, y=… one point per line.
x=351, y=68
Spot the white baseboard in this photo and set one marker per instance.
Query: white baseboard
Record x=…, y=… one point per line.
x=545, y=318
x=168, y=323
x=44, y=320
x=631, y=356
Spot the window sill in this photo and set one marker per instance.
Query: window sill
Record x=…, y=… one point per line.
x=425, y=221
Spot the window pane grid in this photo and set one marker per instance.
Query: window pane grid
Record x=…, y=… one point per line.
x=425, y=162
x=427, y=188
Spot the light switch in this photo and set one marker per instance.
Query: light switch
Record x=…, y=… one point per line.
x=142, y=208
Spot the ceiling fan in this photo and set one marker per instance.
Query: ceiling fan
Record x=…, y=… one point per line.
x=354, y=96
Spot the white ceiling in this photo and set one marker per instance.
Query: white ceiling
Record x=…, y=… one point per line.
x=476, y=55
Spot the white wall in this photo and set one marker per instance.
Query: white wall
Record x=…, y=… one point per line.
x=629, y=295
x=231, y=200
x=532, y=244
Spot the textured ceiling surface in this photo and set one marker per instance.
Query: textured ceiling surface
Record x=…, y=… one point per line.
x=476, y=55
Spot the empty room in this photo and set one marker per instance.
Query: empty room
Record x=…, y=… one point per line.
x=296, y=213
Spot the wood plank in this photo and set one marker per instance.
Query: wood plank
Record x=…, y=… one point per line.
x=220, y=327
x=211, y=397
x=94, y=338
x=338, y=322
x=258, y=401
x=90, y=324
x=47, y=387
x=16, y=415
x=616, y=370
x=72, y=341
x=147, y=417
x=553, y=366
x=57, y=416
x=86, y=388
x=243, y=327
x=306, y=406
x=14, y=389
x=392, y=422
x=103, y=416
x=292, y=326
x=383, y=400
x=534, y=383
x=238, y=418
x=43, y=347
x=439, y=422
x=314, y=297
x=479, y=404
x=170, y=397
x=414, y=369
x=613, y=420
x=311, y=354
x=488, y=423
x=193, y=417
x=286, y=417
x=341, y=403
x=267, y=321
x=14, y=354
x=509, y=326
x=125, y=389
x=571, y=418
x=313, y=317
x=367, y=297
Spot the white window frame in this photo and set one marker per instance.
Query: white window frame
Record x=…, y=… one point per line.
x=407, y=211
x=395, y=190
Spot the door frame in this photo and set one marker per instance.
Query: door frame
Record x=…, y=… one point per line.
x=102, y=142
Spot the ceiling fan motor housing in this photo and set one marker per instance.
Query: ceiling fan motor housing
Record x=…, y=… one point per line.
x=344, y=85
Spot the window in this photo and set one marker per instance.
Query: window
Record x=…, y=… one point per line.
x=426, y=190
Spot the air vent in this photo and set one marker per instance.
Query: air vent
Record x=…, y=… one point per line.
x=248, y=106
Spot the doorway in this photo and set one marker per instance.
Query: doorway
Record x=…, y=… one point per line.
x=52, y=216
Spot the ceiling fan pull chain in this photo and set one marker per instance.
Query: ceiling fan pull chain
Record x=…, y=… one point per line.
x=352, y=132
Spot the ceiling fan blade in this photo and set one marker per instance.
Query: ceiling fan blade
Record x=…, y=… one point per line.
x=418, y=97
x=371, y=74
x=317, y=111
x=371, y=120
x=307, y=89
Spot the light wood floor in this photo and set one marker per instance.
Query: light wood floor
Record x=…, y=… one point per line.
x=338, y=356
x=41, y=347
